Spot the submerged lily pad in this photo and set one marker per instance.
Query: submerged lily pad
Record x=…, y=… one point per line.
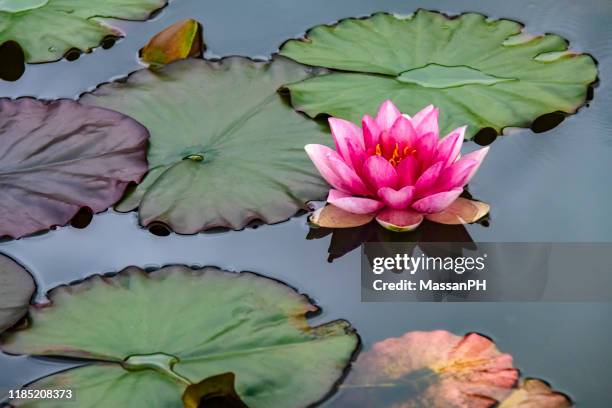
x=58, y=157
x=48, y=29
x=430, y=369
x=16, y=290
x=480, y=72
x=150, y=336
x=226, y=148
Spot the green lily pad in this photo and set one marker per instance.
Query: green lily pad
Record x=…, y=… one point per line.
x=16, y=289
x=480, y=72
x=149, y=336
x=47, y=29
x=225, y=148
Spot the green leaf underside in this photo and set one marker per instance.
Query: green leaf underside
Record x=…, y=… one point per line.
x=225, y=147
x=47, y=29
x=483, y=73
x=16, y=289
x=222, y=322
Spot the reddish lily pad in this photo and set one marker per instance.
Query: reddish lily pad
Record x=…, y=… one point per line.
x=16, y=289
x=534, y=393
x=179, y=41
x=431, y=369
x=58, y=157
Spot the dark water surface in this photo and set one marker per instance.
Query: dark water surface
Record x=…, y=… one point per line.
x=549, y=187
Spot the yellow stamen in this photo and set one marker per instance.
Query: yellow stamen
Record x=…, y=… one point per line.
x=378, y=150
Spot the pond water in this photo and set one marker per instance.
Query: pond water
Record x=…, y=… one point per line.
x=543, y=187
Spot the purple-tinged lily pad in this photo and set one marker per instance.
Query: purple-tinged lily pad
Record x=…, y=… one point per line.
x=58, y=157
x=16, y=290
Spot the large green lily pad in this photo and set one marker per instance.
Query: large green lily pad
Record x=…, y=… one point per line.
x=150, y=336
x=47, y=29
x=225, y=148
x=480, y=72
x=16, y=290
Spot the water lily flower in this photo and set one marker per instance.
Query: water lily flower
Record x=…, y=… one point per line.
x=397, y=169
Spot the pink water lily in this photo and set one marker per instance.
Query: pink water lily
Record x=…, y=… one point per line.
x=397, y=169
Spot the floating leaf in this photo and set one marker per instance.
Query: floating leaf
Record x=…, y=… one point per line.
x=148, y=344
x=48, y=29
x=57, y=157
x=534, y=393
x=226, y=149
x=179, y=41
x=479, y=72
x=430, y=369
x=16, y=290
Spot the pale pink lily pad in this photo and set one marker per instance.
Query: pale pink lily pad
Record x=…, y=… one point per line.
x=534, y=393
x=461, y=211
x=431, y=369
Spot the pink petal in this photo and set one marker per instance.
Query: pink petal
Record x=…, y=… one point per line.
x=347, y=137
x=398, y=199
x=379, y=172
x=339, y=175
x=450, y=146
x=387, y=114
x=427, y=121
x=351, y=182
x=478, y=156
x=428, y=178
x=456, y=175
x=371, y=132
x=407, y=171
x=402, y=132
x=355, y=205
x=399, y=220
x=436, y=202
x=426, y=146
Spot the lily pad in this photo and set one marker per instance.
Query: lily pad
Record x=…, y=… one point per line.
x=431, y=369
x=48, y=29
x=16, y=289
x=226, y=148
x=146, y=345
x=480, y=72
x=534, y=393
x=58, y=157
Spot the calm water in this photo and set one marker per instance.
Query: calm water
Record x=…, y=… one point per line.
x=547, y=187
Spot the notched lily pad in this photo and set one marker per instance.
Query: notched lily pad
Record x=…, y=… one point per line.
x=226, y=149
x=480, y=72
x=48, y=29
x=58, y=157
x=430, y=369
x=147, y=346
x=216, y=391
x=179, y=41
x=16, y=289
